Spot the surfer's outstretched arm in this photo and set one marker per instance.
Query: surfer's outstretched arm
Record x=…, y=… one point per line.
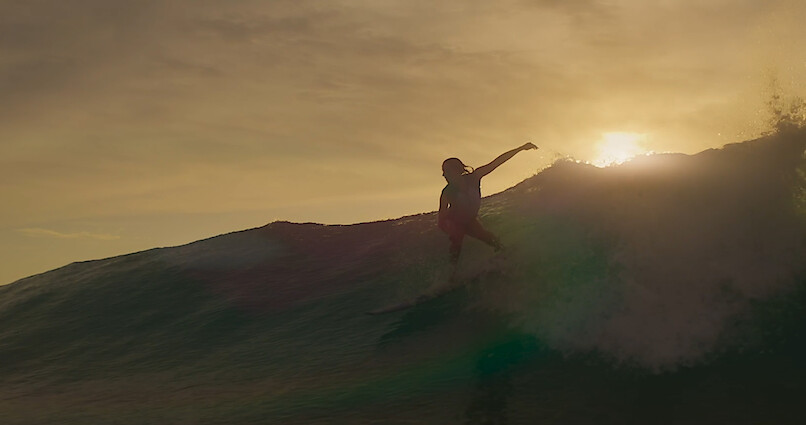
x=504, y=157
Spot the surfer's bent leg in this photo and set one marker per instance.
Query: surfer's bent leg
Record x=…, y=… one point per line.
x=478, y=231
x=456, y=238
x=456, y=234
x=454, y=251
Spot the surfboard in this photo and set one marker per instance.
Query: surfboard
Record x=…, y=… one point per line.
x=436, y=292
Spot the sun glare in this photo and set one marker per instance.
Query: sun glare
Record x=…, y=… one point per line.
x=615, y=148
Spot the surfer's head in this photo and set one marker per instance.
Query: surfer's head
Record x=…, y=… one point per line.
x=453, y=167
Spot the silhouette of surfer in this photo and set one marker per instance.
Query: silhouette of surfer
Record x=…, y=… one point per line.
x=460, y=201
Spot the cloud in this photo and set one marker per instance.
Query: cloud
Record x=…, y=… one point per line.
x=112, y=101
x=36, y=232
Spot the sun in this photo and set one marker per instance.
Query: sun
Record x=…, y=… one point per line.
x=615, y=148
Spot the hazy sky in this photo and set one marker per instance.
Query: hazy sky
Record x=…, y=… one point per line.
x=127, y=124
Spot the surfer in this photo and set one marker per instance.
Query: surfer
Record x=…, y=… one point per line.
x=461, y=198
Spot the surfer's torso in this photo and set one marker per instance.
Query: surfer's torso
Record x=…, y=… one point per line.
x=464, y=198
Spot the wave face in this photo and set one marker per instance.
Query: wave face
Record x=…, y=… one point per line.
x=670, y=250
x=670, y=289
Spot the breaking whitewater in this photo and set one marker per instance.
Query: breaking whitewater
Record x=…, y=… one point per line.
x=667, y=290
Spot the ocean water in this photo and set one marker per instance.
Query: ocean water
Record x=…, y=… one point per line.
x=668, y=290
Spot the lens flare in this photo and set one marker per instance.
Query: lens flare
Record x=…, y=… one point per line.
x=618, y=147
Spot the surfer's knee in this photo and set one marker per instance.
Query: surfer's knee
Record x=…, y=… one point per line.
x=454, y=252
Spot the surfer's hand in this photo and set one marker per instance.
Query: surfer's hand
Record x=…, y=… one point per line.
x=527, y=146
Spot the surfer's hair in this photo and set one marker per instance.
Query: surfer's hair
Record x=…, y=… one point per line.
x=455, y=166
